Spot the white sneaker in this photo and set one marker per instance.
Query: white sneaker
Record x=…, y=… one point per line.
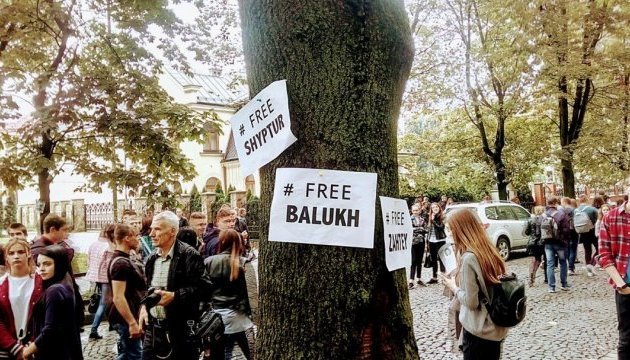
x=571, y=272
x=589, y=270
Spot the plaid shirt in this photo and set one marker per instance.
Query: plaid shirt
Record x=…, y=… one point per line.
x=614, y=240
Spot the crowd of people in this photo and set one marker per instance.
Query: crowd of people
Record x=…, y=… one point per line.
x=555, y=232
x=155, y=275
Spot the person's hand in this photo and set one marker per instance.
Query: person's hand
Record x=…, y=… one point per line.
x=143, y=318
x=625, y=291
x=449, y=282
x=244, y=234
x=167, y=297
x=29, y=350
x=135, y=331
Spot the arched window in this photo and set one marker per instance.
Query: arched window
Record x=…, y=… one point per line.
x=211, y=184
x=250, y=183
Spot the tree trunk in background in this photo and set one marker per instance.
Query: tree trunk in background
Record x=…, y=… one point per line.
x=346, y=64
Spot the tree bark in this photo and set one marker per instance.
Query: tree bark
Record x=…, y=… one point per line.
x=346, y=64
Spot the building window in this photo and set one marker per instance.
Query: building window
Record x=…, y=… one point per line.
x=211, y=141
x=211, y=184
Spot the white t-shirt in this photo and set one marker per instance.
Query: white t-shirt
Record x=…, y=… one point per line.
x=20, y=291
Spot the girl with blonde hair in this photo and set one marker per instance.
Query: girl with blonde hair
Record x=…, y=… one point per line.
x=480, y=266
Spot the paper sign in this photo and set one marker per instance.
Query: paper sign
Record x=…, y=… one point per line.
x=447, y=255
x=262, y=128
x=325, y=207
x=398, y=233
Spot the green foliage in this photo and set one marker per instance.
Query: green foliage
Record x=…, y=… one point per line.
x=97, y=101
x=3, y=224
x=195, y=203
x=10, y=212
x=482, y=65
x=253, y=207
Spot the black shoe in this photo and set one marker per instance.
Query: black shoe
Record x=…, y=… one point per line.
x=421, y=283
x=433, y=281
x=95, y=336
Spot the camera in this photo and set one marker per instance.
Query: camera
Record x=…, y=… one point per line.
x=151, y=299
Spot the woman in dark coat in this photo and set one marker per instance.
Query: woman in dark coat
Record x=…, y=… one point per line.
x=55, y=324
x=229, y=296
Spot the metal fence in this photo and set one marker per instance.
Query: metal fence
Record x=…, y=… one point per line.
x=98, y=215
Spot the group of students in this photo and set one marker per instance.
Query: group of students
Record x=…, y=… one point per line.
x=575, y=222
x=153, y=298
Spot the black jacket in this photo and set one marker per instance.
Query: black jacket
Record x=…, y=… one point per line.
x=186, y=279
x=438, y=228
x=227, y=294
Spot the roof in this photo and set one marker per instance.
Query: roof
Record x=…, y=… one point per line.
x=214, y=89
x=230, y=151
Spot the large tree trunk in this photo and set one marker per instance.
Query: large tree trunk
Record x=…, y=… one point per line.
x=346, y=64
x=568, y=176
x=502, y=183
x=44, y=179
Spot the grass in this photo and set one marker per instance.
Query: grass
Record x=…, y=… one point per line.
x=79, y=263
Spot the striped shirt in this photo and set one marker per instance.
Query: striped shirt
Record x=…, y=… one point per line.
x=160, y=279
x=614, y=240
x=98, y=261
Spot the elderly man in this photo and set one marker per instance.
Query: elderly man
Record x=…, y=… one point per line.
x=175, y=271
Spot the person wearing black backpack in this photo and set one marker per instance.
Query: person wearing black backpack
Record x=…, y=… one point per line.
x=556, y=242
x=535, y=246
x=480, y=268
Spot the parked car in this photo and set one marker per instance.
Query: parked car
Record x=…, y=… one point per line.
x=504, y=221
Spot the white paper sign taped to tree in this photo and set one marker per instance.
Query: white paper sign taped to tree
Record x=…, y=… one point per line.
x=262, y=128
x=325, y=207
x=398, y=233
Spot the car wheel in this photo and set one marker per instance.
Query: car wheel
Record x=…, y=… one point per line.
x=503, y=246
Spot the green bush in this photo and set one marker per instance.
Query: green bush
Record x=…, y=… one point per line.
x=194, y=204
x=253, y=207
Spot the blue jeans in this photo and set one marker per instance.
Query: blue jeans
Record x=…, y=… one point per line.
x=561, y=250
x=128, y=349
x=100, y=311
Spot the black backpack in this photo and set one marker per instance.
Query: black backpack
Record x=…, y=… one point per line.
x=509, y=303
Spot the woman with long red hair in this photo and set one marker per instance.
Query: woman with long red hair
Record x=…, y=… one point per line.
x=480, y=266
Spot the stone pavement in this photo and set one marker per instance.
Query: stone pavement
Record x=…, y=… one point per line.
x=578, y=324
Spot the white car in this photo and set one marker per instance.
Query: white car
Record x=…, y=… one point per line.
x=504, y=221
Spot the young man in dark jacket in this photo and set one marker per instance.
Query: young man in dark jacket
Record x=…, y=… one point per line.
x=557, y=245
x=176, y=271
